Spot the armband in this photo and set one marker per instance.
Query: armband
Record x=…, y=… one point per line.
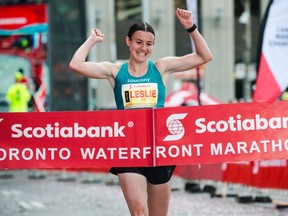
x=190, y=30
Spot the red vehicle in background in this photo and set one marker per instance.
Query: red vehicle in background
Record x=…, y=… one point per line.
x=23, y=42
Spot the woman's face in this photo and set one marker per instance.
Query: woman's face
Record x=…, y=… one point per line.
x=140, y=45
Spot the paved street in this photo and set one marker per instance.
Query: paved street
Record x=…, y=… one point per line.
x=82, y=194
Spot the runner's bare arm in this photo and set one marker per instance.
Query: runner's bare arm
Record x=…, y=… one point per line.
x=201, y=55
x=98, y=70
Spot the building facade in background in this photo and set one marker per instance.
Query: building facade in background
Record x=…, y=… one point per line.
x=220, y=22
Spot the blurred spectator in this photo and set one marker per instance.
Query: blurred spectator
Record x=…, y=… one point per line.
x=24, y=79
x=18, y=95
x=284, y=96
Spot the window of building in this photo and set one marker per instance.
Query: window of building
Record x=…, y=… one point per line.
x=240, y=44
x=126, y=13
x=67, y=32
x=185, y=46
x=240, y=28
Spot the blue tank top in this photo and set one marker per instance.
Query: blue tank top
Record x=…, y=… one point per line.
x=139, y=92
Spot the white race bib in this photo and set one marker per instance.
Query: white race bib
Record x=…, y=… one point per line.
x=140, y=95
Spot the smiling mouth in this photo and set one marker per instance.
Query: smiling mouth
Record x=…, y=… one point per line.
x=142, y=53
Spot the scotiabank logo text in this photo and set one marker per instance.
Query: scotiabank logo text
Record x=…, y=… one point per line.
x=76, y=131
x=241, y=124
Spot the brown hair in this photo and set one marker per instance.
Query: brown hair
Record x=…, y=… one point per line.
x=140, y=26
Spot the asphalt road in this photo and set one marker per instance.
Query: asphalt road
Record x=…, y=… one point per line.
x=57, y=193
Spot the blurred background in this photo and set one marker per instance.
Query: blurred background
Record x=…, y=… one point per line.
x=39, y=37
x=231, y=29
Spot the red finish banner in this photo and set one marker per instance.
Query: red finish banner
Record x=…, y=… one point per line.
x=76, y=139
x=145, y=137
x=221, y=133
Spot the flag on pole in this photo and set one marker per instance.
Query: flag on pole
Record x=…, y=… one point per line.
x=272, y=78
